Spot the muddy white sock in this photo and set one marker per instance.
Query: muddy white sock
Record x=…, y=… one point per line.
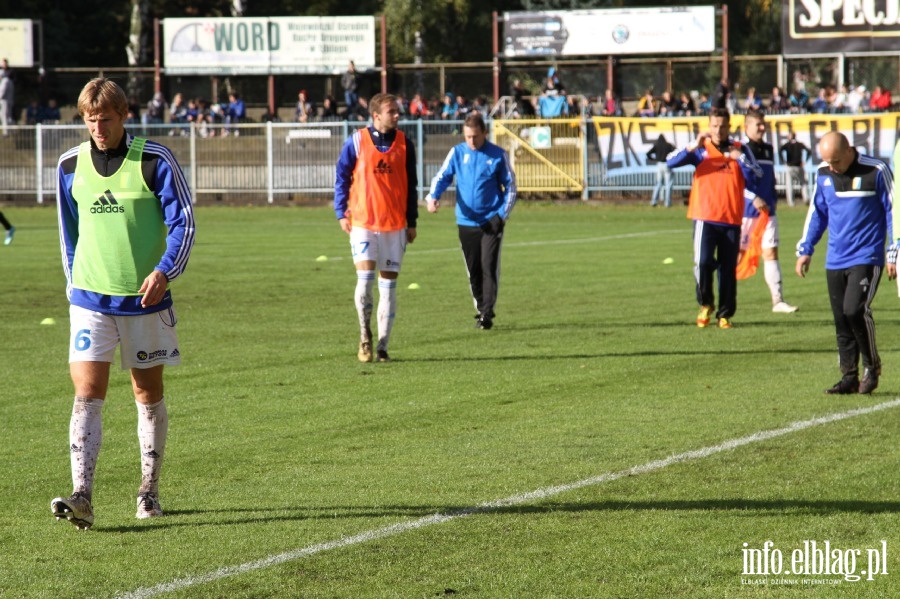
x=85, y=438
x=153, y=426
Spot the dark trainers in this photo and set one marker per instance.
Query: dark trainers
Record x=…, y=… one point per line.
x=484, y=321
x=75, y=508
x=844, y=386
x=869, y=382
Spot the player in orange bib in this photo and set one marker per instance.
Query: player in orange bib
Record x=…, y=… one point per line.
x=376, y=204
x=724, y=183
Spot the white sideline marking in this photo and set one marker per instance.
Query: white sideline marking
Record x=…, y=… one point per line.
x=549, y=242
x=394, y=529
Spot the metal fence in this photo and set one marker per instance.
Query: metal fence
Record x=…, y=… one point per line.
x=257, y=162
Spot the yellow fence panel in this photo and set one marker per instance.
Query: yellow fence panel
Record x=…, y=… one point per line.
x=546, y=154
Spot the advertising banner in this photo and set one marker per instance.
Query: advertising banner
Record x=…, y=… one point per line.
x=16, y=44
x=832, y=26
x=659, y=30
x=263, y=46
x=623, y=142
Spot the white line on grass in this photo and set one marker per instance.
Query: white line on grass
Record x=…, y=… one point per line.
x=548, y=242
x=490, y=506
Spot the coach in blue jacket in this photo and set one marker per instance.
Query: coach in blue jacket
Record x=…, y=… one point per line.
x=852, y=202
x=485, y=195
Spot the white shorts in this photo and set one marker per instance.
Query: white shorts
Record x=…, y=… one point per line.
x=146, y=340
x=770, y=235
x=385, y=248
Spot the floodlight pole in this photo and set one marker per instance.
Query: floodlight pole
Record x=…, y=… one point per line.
x=609, y=72
x=157, y=78
x=384, y=88
x=496, y=49
x=724, y=41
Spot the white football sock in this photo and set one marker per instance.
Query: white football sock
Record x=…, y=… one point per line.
x=387, y=306
x=365, y=281
x=85, y=437
x=772, y=273
x=153, y=426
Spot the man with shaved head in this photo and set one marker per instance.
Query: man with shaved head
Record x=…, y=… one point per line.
x=852, y=201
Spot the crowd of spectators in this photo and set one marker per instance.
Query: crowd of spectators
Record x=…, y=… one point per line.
x=552, y=101
x=828, y=100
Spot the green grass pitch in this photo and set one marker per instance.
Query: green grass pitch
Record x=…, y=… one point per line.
x=287, y=459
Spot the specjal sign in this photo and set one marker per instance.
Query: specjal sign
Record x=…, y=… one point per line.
x=837, y=26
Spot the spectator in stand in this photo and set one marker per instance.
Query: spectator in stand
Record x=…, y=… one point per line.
x=50, y=113
x=685, y=105
x=303, y=113
x=418, y=108
x=192, y=115
x=799, y=100
x=235, y=112
x=611, y=104
x=553, y=74
x=840, y=100
x=463, y=106
x=178, y=114
x=402, y=106
x=33, y=113
x=830, y=98
x=647, y=104
x=435, y=106
x=666, y=106
x=705, y=105
x=880, y=100
x=449, y=110
x=720, y=94
x=855, y=100
x=329, y=109
x=156, y=111
x=752, y=101
x=800, y=78
x=778, y=103
x=132, y=117
x=553, y=86
x=553, y=104
x=523, y=105
x=481, y=106
x=588, y=107
x=820, y=104
x=7, y=97
x=205, y=117
x=350, y=83
x=361, y=113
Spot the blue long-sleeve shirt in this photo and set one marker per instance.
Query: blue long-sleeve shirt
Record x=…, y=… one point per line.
x=485, y=183
x=765, y=184
x=166, y=181
x=855, y=208
x=347, y=163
